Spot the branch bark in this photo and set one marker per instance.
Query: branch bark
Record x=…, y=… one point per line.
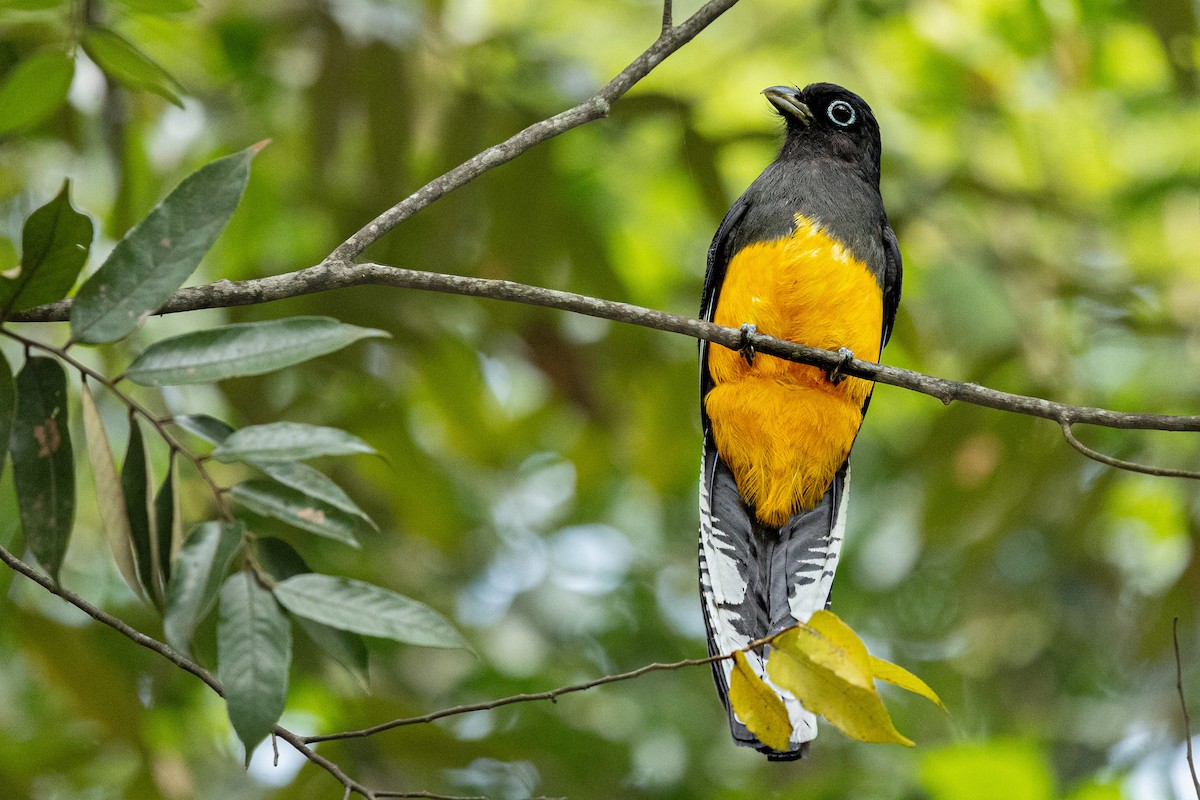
x=327, y=276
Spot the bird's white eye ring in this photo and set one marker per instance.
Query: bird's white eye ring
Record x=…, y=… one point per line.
x=842, y=113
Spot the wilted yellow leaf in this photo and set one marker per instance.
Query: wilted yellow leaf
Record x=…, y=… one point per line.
x=833, y=677
x=758, y=706
x=899, y=676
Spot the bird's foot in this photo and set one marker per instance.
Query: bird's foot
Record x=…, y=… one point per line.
x=744, y=347
x=835, y=375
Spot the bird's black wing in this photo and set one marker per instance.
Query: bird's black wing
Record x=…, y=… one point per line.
x=892, y=275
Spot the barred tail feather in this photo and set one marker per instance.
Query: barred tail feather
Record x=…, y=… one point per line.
x=756, y=580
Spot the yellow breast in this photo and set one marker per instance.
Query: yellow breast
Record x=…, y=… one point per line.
x=783, y=428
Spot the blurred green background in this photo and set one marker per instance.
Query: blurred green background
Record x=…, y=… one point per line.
x=1042, y=171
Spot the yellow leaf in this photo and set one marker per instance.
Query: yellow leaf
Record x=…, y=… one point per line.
x=828, y=669
x=899, y=676
x=758, y=706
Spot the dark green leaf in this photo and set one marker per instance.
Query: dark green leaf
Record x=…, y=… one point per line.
x=8, y=407
x=250, y=348
x=136, y=482
x=34, y=89
x=43, y=464
x=54, y=247
x=314, y=484
x=196, y=578
x=202, y=426
x=281, y=561
x=168, y=522
x=272, y=500
x=159, y=253
x=254, y=650
x=129, y=66
x=109, y=494
x=351, y=605
x=288, y=441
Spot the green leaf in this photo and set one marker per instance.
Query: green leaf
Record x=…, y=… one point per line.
x=202, y=426
x=43, y=463
x=136, y=482
x=168, y=521
x=351, y=605
x=8, y=407
x=196, y=578
x=34, y=89
x=159, y=7
x=281, y=561
x=129, y=66
x=288, y=441
x=287, y=505
x=249, y=348
x=315, y=485
x=109, y=493
x=758, y=706
x=254, y=650
x=159, y=253
x=54, y=247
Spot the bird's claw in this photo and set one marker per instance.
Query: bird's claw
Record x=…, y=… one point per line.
x=744, y=347
x=845, y=356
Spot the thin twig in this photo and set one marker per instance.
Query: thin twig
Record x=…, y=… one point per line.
x=1162, y=472
x=668, y=16
x=551, y=695
x=324, y=277
x=597, y=106
x=1187, y=721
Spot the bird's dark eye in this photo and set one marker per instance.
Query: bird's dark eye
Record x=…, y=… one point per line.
x=842, y=113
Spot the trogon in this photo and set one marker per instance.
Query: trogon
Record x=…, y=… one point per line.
x=806, y=255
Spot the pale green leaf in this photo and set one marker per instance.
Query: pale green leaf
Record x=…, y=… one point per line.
x=315, y=485
x=159, y=253
x=250, y=348
x=287, y=505
x=196, y=578
x=287, y=441
x=122, y=61
x=254, y=650
x=109, y=494
x=351, y=605
x=34, y=89
x=281, y=561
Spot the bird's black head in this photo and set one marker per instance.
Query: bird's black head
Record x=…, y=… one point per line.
x=826, y=121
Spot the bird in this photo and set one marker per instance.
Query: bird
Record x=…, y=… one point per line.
x=806, y=254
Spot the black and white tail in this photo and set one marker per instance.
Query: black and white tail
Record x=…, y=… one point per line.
x=756, y=580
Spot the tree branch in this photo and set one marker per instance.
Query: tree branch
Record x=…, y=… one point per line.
x=597, y=106
x=1187, y=721
x=327, y=276
x=1096, y=455
x=551, y=695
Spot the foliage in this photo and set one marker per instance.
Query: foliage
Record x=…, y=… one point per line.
x=538, y=479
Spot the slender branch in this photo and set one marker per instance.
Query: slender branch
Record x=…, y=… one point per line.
x=187, y=665
x=551, y=695
x=1132, y=466
x=1187, y=721
x=668, y=16
x=597, y=106
x=328, y=276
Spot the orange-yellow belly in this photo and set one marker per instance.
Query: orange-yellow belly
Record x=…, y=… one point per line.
x=783, y=428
